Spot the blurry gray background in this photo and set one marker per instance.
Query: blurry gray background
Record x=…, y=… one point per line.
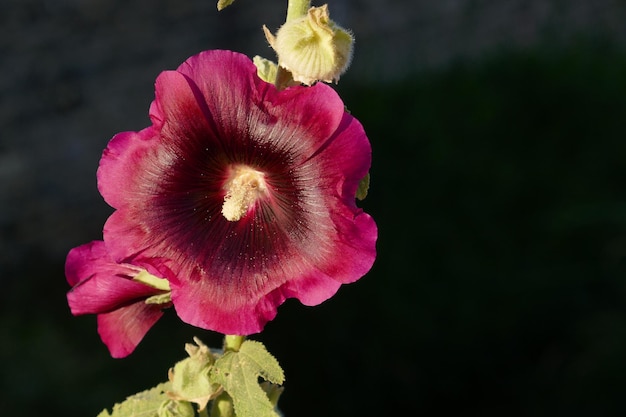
x=497, y=129
x=75, y=72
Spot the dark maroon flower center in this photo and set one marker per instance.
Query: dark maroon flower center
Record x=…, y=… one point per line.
x=259, y=188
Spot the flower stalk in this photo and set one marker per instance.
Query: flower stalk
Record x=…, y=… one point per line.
x=233, y=342
x=297, y=9
x=222, y=406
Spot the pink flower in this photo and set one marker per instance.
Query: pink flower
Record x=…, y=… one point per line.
x=104, y=287
x=245, y=195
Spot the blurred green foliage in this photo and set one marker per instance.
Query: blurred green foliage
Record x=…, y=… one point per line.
x=499, y=188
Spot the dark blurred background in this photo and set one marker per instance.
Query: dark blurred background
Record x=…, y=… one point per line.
x=498, y=184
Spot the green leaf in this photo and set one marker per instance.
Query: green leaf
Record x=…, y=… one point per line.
x=143, y=404
x=239, y=372
x=222, y=4
x=267, y=364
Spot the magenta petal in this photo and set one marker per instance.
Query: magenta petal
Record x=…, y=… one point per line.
x=77, y=264
x=104, y=287
x=311, y=290
x=237, y=100
x=344, y=163
x=122, y=330
x=124, y=154
x=101, y=293
x=182, y=106
x=250, y=318
x=123, y=239
x=101, y=285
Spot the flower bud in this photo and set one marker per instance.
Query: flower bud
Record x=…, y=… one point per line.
x=312, y=47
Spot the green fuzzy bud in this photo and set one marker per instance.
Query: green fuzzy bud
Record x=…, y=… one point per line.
x=313, y=48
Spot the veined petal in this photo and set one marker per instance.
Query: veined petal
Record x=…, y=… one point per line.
x=104, y=287
x=101, y=293
x=124, y=154
x=225, y=78
x=121, y=330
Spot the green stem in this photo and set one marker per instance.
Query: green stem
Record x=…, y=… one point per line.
x=297, y=8
x=222, y=406
x=233, y=342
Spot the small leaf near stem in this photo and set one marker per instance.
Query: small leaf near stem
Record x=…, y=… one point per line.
x=266, y=69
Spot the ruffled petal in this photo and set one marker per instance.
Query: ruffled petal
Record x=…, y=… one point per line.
x=78, y=264
x=343, y=163
x=99, y=284
x=104, y=287
x=249, y=110
x=104, y=292
x=121, y=330
x=184, y=111
x=123, y=157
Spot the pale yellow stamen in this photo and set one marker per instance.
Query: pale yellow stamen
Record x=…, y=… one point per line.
x=243, y=187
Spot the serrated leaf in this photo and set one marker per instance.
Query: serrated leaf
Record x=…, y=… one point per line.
x=267, y=364
x=222, y=4
x=143, y=404
x=239, y=372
